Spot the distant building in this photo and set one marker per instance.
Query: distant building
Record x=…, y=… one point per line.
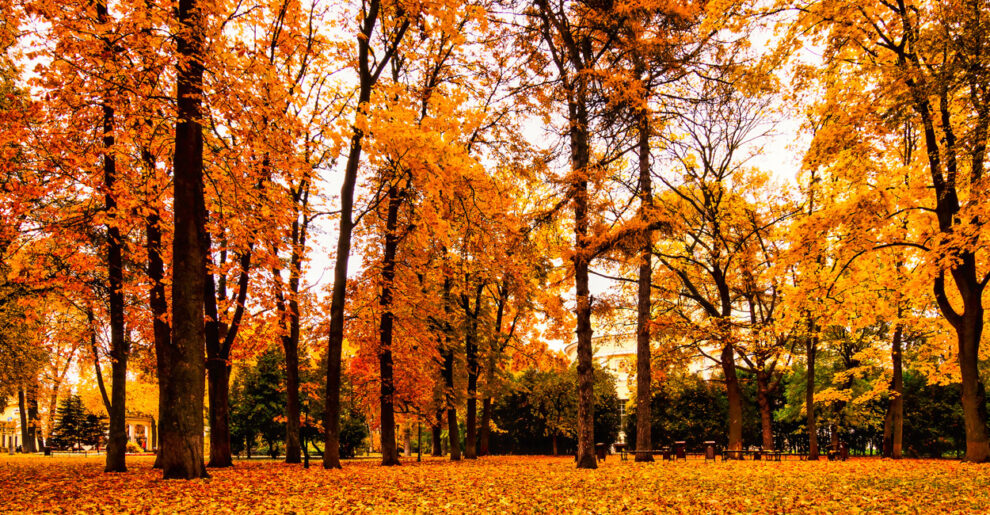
x=142, y=430
x=10, y=426
x=615, y=353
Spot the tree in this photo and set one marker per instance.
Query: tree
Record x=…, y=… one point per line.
x=926, y=60
x=184, y=364
x=75, y=426
x=368, y=73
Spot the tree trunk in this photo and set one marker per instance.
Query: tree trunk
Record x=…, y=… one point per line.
x=893, y=427
x=453, y=435
x=158, y=304
x=734, y=397
x=390, y=453
x=974, y=407
x=407, y=442
x=643, y=368
x=553, y=443
x=811, y=344
x=580, y=159
x=436, y=434
x=117, y=443
x=485, y=429
x=471, y=355
x=219, y=412
x=367, y=77
x=766, y=415
x=27, y=439
x=182, y=420
x=290, y=344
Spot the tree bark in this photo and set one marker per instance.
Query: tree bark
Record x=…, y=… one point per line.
x=158, y=303
x=390, y=453
x=368, y=77
x=811, y=348
x=763, y=392
x=643, y=369
x=290, y=344
x=893, y=427
x=436, y=434
x=471, y=355
x=182, y=421
x=119, y=348
x=734, y=396
x=485, y=429
x=580, y=159
x=27, y=438
x=451, y=409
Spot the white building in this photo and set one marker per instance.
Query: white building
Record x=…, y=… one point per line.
x=615, y=353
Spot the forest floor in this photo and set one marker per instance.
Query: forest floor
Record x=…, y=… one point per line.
x=31, y=484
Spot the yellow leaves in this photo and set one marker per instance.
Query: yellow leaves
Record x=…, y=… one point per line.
x=503, y=485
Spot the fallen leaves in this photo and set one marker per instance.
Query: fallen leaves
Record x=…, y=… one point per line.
x=501, y=485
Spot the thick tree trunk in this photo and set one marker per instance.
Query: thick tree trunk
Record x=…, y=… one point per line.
x=27, y=439
x=893, y=427
x=436, y=435
x=734, y=396
x=182, y=420
x=643, y=368
x=218, y=373
x=974, y=406
x=766, y=415
x=811, y=348
x=553, y=443
x=390, y=453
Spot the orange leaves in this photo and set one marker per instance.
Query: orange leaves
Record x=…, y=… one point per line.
x=503, y=485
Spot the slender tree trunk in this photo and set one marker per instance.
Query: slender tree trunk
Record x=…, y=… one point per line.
x=580, y=160
x=293, y=444
x=452, y=430
x=338, y=296
x=158, y=304
x=436, y=434
x=471, y=355
x=291, y=347
x=811, y=348
x=117, y=443
x=766, y=415
x=290, y=340
x=893, y=427
x=182, y=422
x=485, y=430
x=390, y=453
x=407, y=442
x=643, y=369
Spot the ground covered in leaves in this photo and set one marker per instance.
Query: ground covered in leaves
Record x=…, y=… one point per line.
x=501, y=485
